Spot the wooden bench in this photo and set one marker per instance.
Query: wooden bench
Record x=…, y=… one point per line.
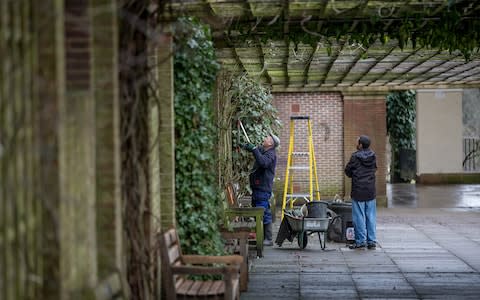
x=176, y=267
x=234, y=210
x=246, y=201
x=237, y=243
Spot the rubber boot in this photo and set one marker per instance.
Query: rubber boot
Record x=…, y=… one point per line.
x=267, y=230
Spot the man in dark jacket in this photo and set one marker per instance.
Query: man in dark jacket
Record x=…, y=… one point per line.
x=261, y=179
x=361, y=168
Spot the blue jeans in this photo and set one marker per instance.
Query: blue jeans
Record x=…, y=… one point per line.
x=364, y=214
x=261, y=199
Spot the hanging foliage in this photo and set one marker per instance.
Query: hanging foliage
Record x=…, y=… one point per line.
x=197, y=202
x=401, y=114
x=448, y=30
x=401, y=118
x=252, y=104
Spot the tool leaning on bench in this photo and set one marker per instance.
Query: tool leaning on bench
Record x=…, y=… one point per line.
x=234, y=210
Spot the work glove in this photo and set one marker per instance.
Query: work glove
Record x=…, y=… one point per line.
x=248, y=147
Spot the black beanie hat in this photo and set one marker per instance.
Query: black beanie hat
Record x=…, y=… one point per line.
x=365, y=141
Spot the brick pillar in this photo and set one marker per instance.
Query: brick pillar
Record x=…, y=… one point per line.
x=105, y=87
x=366, y=114
x=47, y=172
x=78, y=260
x=166, y=131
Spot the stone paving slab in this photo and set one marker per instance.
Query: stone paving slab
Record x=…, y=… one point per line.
x=453, y=285
x=420, y=255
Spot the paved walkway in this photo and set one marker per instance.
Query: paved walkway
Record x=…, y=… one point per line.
x=424, y=253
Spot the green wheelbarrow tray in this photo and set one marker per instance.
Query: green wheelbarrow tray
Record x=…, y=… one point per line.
x=304, y=226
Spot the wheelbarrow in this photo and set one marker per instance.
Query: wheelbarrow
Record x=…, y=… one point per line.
x=302, y=227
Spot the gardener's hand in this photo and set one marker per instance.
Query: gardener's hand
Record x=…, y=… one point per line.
x=248, y=147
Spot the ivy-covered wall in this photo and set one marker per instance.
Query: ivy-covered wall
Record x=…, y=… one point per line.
x=198, y=206
x=401, y=114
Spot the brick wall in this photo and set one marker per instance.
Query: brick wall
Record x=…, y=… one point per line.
x=326, y=113
x=366, y=114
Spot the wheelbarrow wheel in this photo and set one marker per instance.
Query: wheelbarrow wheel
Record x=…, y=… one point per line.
x=302, y=240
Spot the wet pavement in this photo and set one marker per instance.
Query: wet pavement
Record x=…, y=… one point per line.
x=434, y=196
x=430, y=252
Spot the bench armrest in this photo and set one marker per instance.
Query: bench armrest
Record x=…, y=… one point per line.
x=245, y=211
x=237, y=234
x=202, y=270
x=202, y=259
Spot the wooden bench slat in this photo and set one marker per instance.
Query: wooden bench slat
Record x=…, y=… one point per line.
x=205, y=287
x=195, y=288
x=178, y=281
x=218, y=287
x=241, y=224
x=170, y=237
x=173, y=253
x=184, y=287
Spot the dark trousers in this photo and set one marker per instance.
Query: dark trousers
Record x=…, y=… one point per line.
x=261, y=199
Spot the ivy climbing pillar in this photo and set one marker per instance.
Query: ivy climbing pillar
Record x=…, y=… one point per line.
x=366, y=114
x=166, y=129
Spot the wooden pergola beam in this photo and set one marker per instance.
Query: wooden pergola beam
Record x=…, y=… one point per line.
x=261, y=55
x=466, y=70
x=469, y=75
x=383, y=89
x=428, y=69
x=411, y=68
x=375, y=64
x=352, y=65
x=308, y=64
x=331, y=63
x=436, y=73
x=286, y=17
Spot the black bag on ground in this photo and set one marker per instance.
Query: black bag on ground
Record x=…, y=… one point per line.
x=335, y=229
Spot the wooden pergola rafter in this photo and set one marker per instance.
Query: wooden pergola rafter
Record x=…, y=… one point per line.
x=287, y=64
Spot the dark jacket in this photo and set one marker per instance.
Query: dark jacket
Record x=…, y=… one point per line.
x=261, y=177
x=361, y=168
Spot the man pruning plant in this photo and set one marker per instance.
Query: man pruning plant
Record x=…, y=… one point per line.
x=261, y=179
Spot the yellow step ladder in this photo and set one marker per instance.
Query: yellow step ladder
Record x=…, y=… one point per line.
x=288, y=193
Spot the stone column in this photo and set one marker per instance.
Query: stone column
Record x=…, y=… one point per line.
x=166, y=130
x=365, y=113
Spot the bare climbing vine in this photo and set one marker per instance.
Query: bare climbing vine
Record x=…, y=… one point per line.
x=137, y=87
